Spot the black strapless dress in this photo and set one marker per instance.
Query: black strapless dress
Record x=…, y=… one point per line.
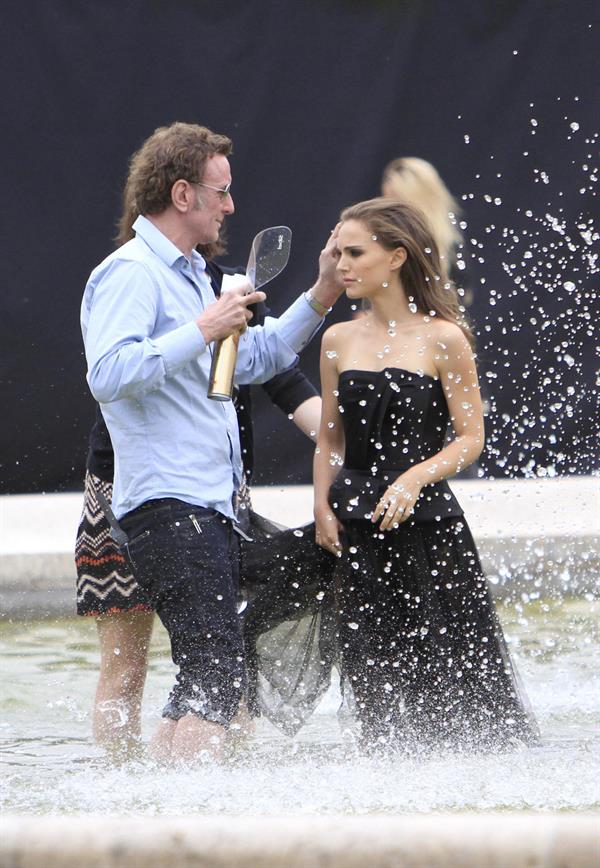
x=405, y=615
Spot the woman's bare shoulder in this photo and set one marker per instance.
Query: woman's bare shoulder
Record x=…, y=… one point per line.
x=338, y=333
x=447, y=331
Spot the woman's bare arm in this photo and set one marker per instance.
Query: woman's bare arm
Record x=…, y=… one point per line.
x=455, y=362
x=329, y=454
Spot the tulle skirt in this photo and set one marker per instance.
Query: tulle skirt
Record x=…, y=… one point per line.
x=407, y=620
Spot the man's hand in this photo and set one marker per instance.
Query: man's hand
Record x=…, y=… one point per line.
x=329, y=285
x=229, y=314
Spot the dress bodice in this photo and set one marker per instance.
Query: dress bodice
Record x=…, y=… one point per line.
x=392, y=419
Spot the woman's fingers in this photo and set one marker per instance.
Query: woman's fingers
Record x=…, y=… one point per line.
x=330, y=544
x=386, y=507
x=392, y=518
x=327, y=535
x=392, y=511
x=380, y=509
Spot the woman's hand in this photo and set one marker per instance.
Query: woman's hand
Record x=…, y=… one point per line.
x=327, y=530
x=398, y=501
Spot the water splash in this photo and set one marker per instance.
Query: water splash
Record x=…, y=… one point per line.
x=536, y=326
x=46, y=771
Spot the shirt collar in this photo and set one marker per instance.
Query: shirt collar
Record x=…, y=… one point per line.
x=162, y=247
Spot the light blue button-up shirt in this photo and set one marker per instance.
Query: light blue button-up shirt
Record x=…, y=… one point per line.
x=148, y=367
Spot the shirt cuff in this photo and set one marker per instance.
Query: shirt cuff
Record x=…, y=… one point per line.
x=180, y=346
x=299, y=323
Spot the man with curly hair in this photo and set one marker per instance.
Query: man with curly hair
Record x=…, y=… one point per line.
x=149, y=319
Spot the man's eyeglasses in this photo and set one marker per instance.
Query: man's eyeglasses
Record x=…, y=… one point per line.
x=223, y=192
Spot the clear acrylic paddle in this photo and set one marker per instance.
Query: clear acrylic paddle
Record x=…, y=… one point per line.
x=268, y=257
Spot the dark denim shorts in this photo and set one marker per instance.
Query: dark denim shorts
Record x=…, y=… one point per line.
x=186, y=560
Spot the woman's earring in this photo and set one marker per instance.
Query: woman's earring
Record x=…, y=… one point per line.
x=385, y=284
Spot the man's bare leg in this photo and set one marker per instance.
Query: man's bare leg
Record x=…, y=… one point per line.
x=161, y=743
x=241, y=728
x=197, y=739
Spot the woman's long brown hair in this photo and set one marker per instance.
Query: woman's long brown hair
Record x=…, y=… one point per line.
x=424, y=276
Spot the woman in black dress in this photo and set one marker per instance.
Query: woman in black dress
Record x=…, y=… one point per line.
x=422, y=655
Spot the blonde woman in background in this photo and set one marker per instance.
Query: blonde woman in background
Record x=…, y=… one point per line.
x=416, y=182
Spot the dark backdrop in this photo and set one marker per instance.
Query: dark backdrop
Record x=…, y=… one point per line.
x=318, y=96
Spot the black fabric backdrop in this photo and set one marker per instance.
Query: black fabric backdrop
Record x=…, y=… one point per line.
x=317, y=96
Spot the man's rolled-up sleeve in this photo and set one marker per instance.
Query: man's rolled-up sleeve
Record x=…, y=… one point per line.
x=267, y=350
x=299, y=324
x=125, y=356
